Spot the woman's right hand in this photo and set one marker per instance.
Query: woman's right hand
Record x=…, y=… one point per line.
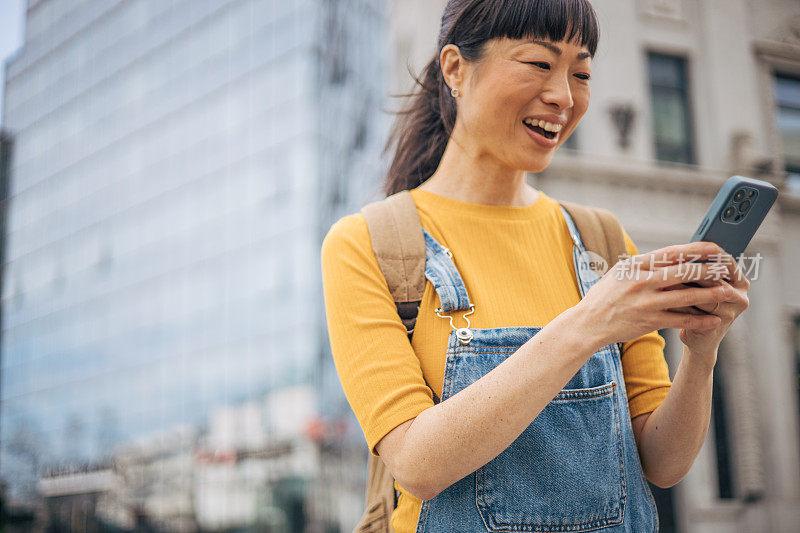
x=637, y=296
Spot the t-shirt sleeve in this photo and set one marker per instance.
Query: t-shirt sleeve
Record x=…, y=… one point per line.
x=380, y=373
x=644, y=367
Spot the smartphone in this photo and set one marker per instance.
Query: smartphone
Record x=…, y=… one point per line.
x=735, y=215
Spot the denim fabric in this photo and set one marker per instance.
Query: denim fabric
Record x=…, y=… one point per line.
x=575, y=468
x=442, y=273
x=580, y=259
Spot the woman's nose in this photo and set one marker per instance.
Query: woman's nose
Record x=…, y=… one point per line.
x=557, y=92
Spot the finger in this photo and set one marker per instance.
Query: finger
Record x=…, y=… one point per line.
x=720, y=266
x=737, y=277
x=695, y=309
x=677, y=253
x=724, y=264
x=692, y=310
x=688, y=284
x=738, y=296
x=681, y=273
x=737, y=299
x=700, y=296
x=730, y=270
x=705, y=309
x=700, y=283
x=669, y=319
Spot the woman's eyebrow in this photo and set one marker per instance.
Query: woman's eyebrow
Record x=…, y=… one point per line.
x=556, y=50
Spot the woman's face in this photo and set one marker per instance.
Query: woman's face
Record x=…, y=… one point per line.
x=514, y=85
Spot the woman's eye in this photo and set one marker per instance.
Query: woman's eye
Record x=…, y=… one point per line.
x=546, y=66
x=539, y=64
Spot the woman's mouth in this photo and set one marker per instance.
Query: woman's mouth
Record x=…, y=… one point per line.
x=540, y=132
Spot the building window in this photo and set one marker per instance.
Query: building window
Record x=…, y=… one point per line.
x=787, y=100
x=669, y=93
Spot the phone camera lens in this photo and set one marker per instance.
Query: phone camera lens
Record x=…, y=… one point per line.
x=744, y=206
x=739, y=195
x=729, y=212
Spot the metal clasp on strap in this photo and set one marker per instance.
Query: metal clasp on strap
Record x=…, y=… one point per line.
x=464, y=335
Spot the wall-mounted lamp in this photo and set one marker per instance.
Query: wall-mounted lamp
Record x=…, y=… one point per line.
x=623, y=116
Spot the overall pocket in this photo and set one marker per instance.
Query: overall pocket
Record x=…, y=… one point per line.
x=565, y=472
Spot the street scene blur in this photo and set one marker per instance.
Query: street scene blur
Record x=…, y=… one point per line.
x=168, y=170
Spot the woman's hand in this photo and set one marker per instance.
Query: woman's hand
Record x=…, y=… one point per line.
x=637, y=296
x=670, y=437
x=706, y=342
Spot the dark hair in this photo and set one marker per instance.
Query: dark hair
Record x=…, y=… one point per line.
x=422, y=129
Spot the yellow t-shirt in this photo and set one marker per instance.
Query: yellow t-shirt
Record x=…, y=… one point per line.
x=516, y=263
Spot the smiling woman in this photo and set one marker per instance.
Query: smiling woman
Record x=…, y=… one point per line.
x=553, y=407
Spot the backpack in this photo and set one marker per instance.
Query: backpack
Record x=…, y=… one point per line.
x=397, y=240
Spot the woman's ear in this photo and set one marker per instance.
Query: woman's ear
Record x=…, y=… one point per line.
x=453, y=66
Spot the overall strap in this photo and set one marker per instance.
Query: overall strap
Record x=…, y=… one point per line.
x=399, y=245
x=599, y=229
x=443, y=274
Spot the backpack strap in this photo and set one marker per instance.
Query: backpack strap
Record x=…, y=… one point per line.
x=381, y=499
x=399, y=245
x=600, y=231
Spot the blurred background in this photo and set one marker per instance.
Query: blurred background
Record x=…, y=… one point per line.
x=168, y=170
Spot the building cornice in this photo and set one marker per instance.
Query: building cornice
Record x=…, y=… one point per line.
x=656, y=177
x=779, y=54
x=638, y=173
x=671, y=182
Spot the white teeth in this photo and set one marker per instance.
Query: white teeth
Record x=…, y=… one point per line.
x=549, y=126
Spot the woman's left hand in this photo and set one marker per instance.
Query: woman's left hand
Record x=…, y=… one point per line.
x=706, y=342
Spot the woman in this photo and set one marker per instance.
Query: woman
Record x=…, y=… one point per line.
x=540, y=428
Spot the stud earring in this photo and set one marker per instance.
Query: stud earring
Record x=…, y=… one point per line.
x=454, y=92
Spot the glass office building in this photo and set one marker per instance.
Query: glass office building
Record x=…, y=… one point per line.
x=175, y=167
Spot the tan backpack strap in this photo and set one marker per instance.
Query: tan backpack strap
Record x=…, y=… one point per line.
x=600, y=231
x=399, y=245
x=381, y=499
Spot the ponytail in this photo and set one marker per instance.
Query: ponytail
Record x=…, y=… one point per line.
x=421, y=131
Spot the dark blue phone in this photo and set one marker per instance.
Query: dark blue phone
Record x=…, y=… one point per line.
x=735, y=215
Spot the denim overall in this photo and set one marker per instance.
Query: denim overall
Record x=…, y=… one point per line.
x=576, y=467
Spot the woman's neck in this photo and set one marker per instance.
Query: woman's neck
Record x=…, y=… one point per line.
x=461, y=176
x=467, y=191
